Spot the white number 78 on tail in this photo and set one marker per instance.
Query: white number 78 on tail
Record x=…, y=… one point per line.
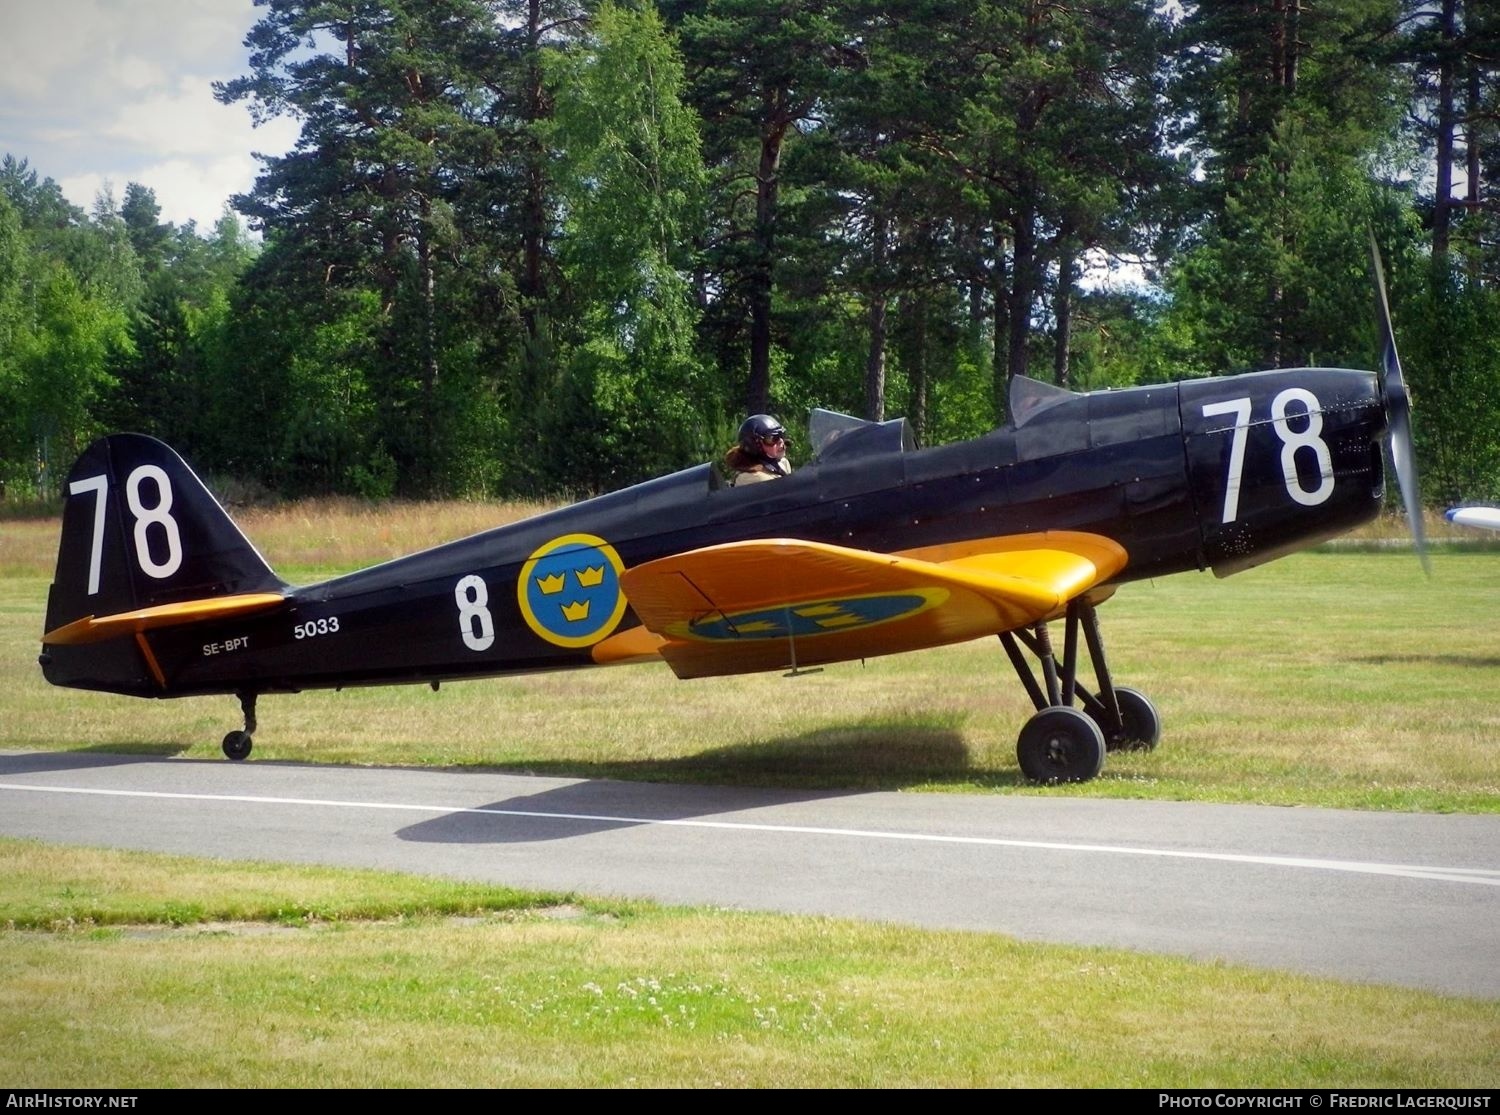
x=160, y=514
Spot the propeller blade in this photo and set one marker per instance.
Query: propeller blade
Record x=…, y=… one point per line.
x=1398, y=414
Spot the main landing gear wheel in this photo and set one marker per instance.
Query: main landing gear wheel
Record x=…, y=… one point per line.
x=237, y=745
x=1140, y=720
x=1060, y=744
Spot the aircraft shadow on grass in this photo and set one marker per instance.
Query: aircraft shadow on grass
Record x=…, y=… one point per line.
x=1478, y=662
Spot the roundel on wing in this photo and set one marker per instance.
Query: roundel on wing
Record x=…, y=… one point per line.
x=817, y=617
x=569, y=590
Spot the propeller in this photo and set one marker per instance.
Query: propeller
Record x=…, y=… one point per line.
x=1398, y=414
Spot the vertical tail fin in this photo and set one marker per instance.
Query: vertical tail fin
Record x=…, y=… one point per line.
x=140, y=530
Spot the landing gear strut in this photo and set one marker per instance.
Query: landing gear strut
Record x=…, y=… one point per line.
x=1062, y=743
x=237, y=744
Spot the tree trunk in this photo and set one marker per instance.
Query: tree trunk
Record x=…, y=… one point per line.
x=1023, y=286
x=534, y=212
x=1473, y=140
x=1001, y=301
x=875, y=359
x=428, y=280
x=917, y=373
x=1442, y=202
x=1063, y=307
x=767, y=184
x=1289, y=44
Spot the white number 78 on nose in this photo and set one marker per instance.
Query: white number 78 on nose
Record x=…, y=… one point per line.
x=1291, y=442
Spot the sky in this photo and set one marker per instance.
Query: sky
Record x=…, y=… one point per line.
x=97, y=93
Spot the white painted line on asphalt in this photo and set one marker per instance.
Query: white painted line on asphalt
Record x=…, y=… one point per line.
x=1482, y=876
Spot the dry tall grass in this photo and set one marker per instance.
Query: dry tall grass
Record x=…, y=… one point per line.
x=346, y=533
x=334, y=535
x=314, y=534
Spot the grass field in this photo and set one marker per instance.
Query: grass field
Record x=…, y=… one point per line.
x=1330, y=678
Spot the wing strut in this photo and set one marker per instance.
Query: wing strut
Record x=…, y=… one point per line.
x=791, y=643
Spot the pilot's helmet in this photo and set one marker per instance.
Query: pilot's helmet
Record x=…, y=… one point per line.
x=758, y=429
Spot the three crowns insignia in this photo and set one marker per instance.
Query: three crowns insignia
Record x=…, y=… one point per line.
x=588, y=577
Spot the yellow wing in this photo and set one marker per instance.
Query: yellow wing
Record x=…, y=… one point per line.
x=768, y=604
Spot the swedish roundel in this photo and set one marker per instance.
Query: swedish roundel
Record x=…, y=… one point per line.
x=569, y=590
x=822, y=617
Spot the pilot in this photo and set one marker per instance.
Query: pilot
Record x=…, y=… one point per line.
x=760, y=453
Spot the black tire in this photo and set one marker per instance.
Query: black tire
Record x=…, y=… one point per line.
x=1060, y=744
x=237, y=746
x=1141, y=721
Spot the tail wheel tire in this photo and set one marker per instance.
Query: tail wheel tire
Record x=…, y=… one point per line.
x=237, y=745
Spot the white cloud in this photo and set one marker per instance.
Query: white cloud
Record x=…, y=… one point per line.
x=186, y=189
x=95, y=91
x=180, y=121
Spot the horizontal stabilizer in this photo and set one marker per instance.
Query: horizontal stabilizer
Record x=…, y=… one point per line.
x=92, y=629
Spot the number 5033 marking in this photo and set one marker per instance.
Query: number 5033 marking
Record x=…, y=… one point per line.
x=315, y=627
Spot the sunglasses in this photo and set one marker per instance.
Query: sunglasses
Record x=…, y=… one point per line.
x=772, y=439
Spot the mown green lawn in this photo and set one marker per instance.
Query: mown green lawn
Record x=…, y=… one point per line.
x=158, y=971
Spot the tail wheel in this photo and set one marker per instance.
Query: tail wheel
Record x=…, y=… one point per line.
x=237, y=745
x=1060, y=744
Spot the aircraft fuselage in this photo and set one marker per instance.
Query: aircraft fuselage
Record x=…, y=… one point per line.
x=1220, y=473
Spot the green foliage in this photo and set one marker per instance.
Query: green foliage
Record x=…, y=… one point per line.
x=39, y=204
x=1455, y=385
x=368, y=219
x=149, y=238
x=55, y=369
x=633, y=394
x=1282, y=278
x=1112, y=340
x=962, y=404
x=1247, y=69
x=330, y=399
x=556, y=245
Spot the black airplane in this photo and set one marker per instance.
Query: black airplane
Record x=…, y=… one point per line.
x=873, y=547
